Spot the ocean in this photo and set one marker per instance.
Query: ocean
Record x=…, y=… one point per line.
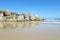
x=52, y=19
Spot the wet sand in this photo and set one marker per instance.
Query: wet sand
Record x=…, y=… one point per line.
x=29, y=31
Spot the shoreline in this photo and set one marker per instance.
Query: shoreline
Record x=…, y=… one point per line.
x=29, y=21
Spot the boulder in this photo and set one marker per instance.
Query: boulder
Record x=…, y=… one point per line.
x=31, y=17
x=37, y=18
x=6, y=13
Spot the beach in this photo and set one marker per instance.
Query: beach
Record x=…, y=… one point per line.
x=30, y=30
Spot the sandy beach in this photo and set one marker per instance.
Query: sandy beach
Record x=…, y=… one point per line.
x=29, y=30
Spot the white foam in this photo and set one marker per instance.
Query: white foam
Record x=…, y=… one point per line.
x=49, y=22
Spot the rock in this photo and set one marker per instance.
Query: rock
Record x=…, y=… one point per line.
x=31, y=17
x=6, y=13
x=37, y=18
x=24, y=16
x=1, y=14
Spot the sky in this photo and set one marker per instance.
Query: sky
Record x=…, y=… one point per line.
x=43, y=8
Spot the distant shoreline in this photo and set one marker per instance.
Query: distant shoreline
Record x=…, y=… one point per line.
x=49, y=22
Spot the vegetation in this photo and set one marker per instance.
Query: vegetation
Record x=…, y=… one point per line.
x=0, y=11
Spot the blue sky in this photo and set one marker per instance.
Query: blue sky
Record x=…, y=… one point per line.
x=43, y=8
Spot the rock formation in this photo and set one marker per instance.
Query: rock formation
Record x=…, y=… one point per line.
x=7, y=15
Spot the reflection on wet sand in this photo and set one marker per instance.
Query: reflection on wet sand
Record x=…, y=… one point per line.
x=29, y=31
x=14, y=25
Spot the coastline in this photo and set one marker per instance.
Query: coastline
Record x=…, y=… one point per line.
x=30, y=21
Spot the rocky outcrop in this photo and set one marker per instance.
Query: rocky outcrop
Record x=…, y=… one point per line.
x=13, y=16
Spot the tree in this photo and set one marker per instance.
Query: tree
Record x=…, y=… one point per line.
x=14, y=13
x=0, y=11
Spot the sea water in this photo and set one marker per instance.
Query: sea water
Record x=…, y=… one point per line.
x=52, y=19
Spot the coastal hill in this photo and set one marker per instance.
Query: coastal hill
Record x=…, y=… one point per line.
x=6, y=15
